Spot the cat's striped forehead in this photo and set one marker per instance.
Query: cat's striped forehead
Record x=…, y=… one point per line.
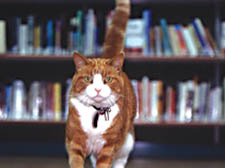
x=99, y=61
x=99, y=65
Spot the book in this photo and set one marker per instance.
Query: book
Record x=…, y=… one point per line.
x=3, y=46
x=2, y=102
x=222, y=44
x=204, y=89
x=57, y=98
x=165, y=40
x=67, y=96
x=189, y=100
x=139, y=85
x=182, y=45
x=8, y=100
x=181, y=90
x=13, y=34
x=37, y=39
x=49, y=114
x=152, y=42
x=160, y=99
x=30, y=24
x=135, y=86
x=23, y=39
x=90, y=33
x=158, y=41
x=189, y=41
x=174, y=41
x=170, y=104
x=145, y=93
x=223, y=98
x=204, y=51
x=135, y=35
x=58, y=30
x=195, y=39
x=201, y=28
x=49, y=37
x=215, y=105
x=156, y=106
x=147, y=16
x=212, y=43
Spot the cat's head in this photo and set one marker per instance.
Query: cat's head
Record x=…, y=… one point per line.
x=98, y=81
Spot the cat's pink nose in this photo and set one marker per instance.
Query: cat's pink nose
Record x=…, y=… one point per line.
x=98, y=90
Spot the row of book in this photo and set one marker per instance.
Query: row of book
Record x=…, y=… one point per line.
x=193, y=39
x=42, y=100
x=57, y=36
x=188, y=101
x=64, y=35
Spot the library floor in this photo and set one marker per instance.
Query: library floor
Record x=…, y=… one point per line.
x=57, y=162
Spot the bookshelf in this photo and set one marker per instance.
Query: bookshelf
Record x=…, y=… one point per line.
x=169, y=69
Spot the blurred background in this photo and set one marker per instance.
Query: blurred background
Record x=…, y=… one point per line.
x=174, y=58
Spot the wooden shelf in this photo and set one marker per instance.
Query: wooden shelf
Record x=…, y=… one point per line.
x=181, y=124
x=33, y=122
x=17, y=57
x=102, y=1
x=136, y=58
x=148, y=124
x=199, y=59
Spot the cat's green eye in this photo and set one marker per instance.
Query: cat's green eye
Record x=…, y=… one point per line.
x=88, y=79
x=108, y=79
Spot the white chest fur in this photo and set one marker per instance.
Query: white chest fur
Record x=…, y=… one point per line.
x=95, y=142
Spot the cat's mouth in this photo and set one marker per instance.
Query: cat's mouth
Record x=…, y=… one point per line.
x=98, y=100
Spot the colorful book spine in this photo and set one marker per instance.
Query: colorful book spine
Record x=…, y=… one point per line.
x=145, y=93
x=50, y=102
x=195, y=38
x=140, y=101
x=23, y=35
x=58, y=37
x=3, y=47
x=30, y=24
x=170, y=104
x=57, y=101
x=189, y=42
x=135, y=86
x=2, y=102
x=166, y=44
x=200, y=38
x=182, y=45
x=49, y=28
x=224, y=98
x=67, y=97
x=37, y=40
x=158, y=41
x=147, y=16
x=8, y=100
x=174, y=41
x=222, y=45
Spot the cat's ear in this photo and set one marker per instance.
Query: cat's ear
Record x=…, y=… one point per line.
x=117, y=61
x=79, y=60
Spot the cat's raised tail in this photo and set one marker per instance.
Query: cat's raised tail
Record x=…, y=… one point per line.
x=115, y=34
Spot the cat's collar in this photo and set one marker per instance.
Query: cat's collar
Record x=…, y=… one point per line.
x=100, y=111
x=103, y=111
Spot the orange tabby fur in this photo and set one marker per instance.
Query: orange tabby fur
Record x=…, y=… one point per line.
x=122, y=125
x=115, y=34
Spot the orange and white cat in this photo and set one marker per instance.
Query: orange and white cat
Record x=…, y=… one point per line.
x=102, y=103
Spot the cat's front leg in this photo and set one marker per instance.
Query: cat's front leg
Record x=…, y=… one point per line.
x=105, y=157
x=76, y=154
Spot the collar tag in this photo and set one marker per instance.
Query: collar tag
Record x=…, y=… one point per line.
x=101, y=111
